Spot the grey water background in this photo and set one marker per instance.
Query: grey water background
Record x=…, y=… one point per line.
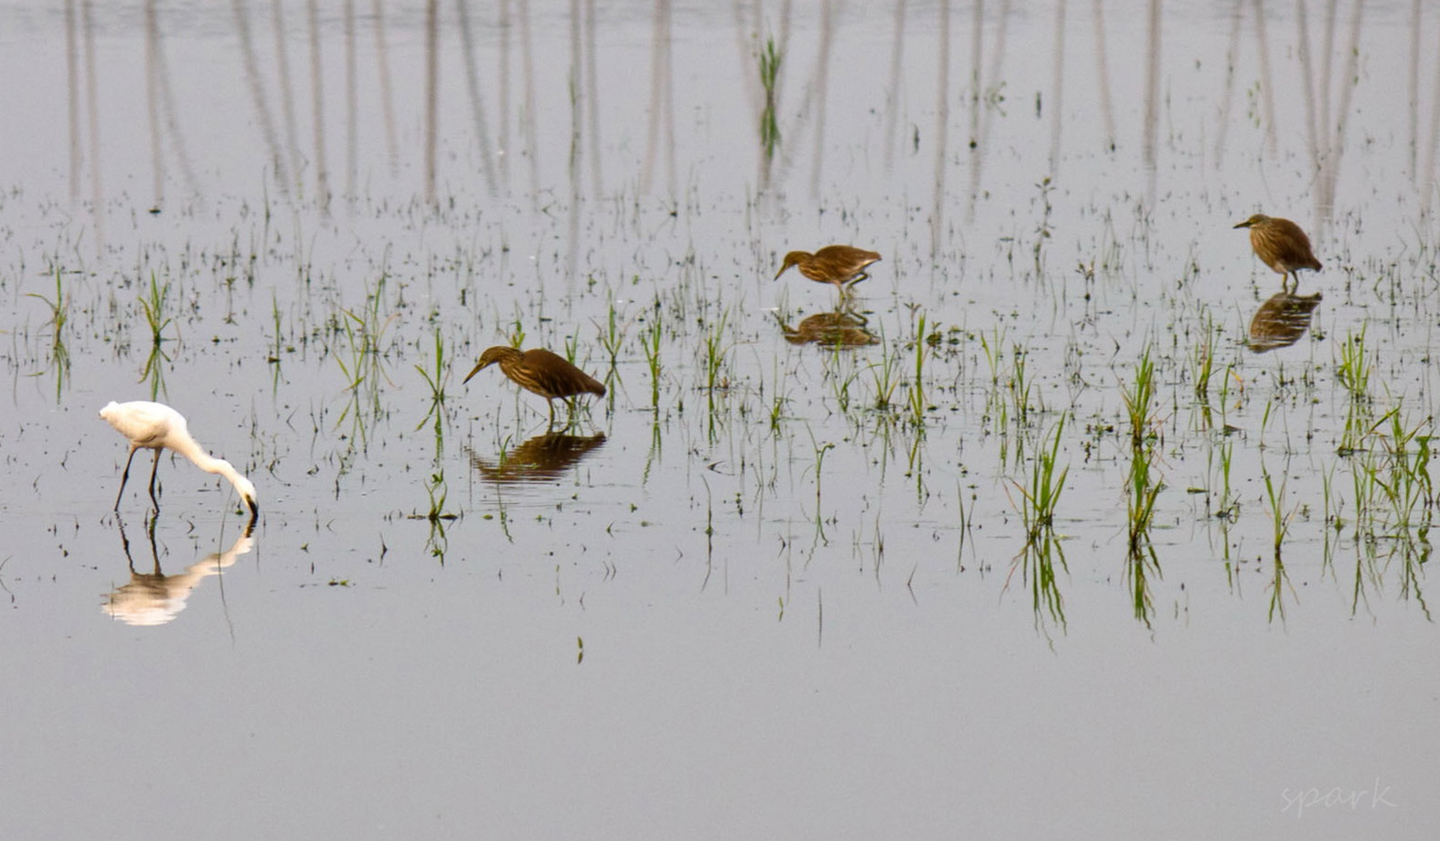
x=793, y=591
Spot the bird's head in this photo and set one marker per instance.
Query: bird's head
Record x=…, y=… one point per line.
x=490, y=357
x=246, y=489
x=791, y=259
x=1257, y=219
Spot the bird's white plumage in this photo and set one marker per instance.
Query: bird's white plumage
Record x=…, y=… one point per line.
x=155, y=426
x=146, y=424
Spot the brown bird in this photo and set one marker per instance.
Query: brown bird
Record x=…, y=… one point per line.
x=1281, y=245
x=540, y=371
x=840, y=265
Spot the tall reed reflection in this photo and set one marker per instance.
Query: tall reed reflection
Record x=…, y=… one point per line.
x=432, y=96
x=352, y=103
x=387, y=95
x=1152, y=98
x=821, y=89
x=476, y=98
x=92, y=112
x=1328, y=140
x=72, y=88
x=154, y=598
x=528, y=127
x=892, y=92
x=662, y=101
x=942, y=130
x=160, y=97
x=287, y=96
x=987, y=96
x=1057, y=87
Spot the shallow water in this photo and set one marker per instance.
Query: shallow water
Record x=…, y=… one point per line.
x=768, y=587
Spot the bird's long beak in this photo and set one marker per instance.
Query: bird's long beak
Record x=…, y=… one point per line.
x=254, y=509
x=480, y=366
x=1244, y=224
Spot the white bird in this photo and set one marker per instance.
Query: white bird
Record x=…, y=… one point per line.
x=155, y=426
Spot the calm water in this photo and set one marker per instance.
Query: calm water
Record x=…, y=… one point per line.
x=767, y=587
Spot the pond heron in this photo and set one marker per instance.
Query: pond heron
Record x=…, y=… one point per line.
x=1282, y=246
x=540, y=371
x=840, y=265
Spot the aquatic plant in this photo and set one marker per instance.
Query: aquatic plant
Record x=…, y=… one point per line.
x=650, y=343
x=59, y=314
x=916, y=399
x=435, y=379
x=1139, y=399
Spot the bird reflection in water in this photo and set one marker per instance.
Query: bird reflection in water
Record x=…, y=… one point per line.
x=154, y=598
x=543, y=458
x=830, y=329
x=1281, y=321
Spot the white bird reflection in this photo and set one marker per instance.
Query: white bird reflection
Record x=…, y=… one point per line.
x=153, y=598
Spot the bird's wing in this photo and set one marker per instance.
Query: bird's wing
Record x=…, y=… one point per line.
x=144, y=425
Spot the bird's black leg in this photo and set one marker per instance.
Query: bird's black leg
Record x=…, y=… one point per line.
x=124, y=477
x=153, y=470
x=125, y=543
x=150, y=533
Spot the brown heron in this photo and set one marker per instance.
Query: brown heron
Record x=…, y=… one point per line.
x=540, y=371
x=1281, y=245
x=840, y=265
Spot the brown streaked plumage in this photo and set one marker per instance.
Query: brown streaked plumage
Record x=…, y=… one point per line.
x=539, y=371
x=842, y=266
x=1281, y=245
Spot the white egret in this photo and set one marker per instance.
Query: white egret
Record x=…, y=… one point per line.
x=155, y=426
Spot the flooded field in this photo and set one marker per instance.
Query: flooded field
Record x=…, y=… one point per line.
x=1073, y=519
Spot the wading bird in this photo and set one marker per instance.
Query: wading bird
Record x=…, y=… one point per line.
x=1282, y=246
x=155, y=426
x=840, y=265
x=539, y=371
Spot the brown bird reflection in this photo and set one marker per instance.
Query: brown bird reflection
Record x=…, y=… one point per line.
x=831, y=329
x=1281, y=321
x=544, y=458
x=154, y=598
